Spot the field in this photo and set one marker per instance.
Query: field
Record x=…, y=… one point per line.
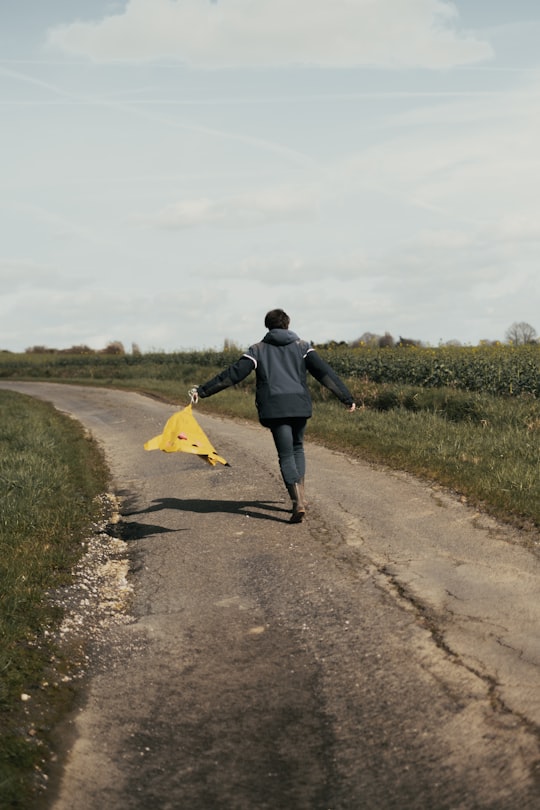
x=497, y=370
x=467, y=419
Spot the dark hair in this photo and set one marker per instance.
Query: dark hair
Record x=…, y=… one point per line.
x=277, y=319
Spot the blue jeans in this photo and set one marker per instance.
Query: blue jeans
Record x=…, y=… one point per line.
x=288, y=437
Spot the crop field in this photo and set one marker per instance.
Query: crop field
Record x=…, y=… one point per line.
x=497, y=370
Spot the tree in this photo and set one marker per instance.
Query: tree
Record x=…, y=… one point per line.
x=407, y=342
x=366, y=339
x=231, y=346
x=386, y=341
x=39, y=350
x=79, y=349
x=520, y=334
x=114, y=347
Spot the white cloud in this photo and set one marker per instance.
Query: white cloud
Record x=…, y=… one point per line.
x=243, y=210
x=270, y=33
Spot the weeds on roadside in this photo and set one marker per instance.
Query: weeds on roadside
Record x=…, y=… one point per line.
x=50, y=473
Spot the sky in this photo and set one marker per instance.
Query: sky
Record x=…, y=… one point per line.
x=170, y=170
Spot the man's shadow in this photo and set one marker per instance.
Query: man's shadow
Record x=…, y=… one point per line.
x=200, y=506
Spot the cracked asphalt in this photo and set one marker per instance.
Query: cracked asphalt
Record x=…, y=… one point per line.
x=383, y=654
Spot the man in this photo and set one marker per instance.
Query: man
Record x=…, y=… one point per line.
x=280, y=361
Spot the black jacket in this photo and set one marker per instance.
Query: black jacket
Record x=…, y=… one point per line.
x=280, y=361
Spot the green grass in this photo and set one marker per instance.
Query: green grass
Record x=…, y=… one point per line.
x=495, y=467
x=50, y=475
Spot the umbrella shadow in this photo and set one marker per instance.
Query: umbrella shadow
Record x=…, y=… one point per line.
x=200, y=506
x=129, y=530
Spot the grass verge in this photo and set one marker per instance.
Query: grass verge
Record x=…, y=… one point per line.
x=50, y=475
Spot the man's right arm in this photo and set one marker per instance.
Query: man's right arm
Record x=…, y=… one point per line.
x=231, y=376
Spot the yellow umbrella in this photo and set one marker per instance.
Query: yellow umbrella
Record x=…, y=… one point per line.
x=183, y=434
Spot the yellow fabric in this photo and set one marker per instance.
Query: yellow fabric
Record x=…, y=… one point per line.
x=183, y=434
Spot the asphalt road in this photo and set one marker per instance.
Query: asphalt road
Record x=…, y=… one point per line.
x=383, y=654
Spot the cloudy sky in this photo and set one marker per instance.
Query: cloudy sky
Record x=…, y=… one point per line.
x=172, y=169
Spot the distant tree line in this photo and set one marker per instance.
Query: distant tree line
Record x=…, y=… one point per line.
x=115, y=347
x=518, y=334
